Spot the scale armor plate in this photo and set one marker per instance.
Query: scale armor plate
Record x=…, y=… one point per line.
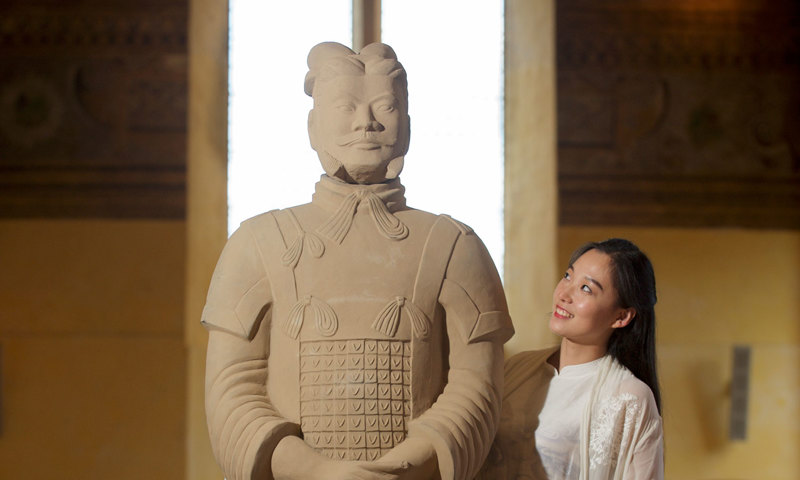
x=355, y=396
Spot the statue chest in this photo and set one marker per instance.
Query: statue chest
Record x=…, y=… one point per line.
x=349, y=334
x=362, y=287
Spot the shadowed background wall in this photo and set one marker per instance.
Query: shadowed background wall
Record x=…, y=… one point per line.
x=93, y=104
x=677, y=126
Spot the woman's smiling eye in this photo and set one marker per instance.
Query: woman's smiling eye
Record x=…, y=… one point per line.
x=586, y=288
x=566, y=275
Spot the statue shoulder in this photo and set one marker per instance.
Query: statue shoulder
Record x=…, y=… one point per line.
x=522, y=366
x=420, y=218
x=262, y=220
x=462, y=227
x=239, y=287
x=530, y=359
x=473, y=269
x=472, y=287
x=270, y=229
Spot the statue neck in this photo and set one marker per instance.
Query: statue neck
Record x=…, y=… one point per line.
x=330, y=192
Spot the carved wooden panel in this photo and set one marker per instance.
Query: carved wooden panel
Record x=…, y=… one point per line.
x=93, y=100
x=679, y=113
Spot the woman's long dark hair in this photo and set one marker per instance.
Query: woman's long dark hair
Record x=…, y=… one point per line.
x=634, y=345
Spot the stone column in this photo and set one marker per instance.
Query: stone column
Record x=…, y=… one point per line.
x=366, y=22
x=206, y=206
x=531, y=192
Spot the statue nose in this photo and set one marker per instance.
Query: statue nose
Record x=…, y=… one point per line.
x=365, y=120
x=373, y=126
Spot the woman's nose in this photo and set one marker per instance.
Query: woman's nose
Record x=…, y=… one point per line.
x=563, y=293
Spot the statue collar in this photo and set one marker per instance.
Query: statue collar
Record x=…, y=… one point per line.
x=343, y=199
x=330, y=192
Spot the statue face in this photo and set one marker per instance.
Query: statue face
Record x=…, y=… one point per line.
x=359, y=127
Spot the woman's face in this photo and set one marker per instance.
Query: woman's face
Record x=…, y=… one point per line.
x=585, y=302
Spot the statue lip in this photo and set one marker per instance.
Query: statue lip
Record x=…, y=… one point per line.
x=361, y=139
x=366, y=145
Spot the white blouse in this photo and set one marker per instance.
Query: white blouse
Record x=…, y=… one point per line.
x=558, y=435
x=594, y=421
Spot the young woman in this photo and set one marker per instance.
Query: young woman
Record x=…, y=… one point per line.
x=589, y=408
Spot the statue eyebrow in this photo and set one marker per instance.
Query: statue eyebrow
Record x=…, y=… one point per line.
x=382, y=96
x=342, y=96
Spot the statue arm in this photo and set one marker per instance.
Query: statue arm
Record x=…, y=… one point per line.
x=243, y=425
x=462, y=423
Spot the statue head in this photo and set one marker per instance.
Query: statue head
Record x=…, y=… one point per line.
x=359, y=125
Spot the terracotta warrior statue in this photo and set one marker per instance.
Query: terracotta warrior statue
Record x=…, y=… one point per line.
x=353, y=336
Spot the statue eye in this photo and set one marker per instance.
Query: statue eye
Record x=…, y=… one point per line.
x=345, y=107
x=385, y=108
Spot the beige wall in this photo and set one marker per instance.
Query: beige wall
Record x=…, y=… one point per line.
x=206, y=208
x=93, y=361
x=531, y=191
x=101, y=355
x=716, y=289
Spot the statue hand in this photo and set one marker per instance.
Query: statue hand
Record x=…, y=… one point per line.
x=293, y=459
x=419, y=456
x=351, y=470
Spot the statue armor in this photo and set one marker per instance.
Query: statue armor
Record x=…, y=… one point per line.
x=349, y=321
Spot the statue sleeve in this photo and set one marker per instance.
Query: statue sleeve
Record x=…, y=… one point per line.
x=243, y=425
x=462, y=422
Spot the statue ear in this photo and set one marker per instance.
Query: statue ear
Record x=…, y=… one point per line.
x=403, y=148
x=311, y=133
x=408, y=133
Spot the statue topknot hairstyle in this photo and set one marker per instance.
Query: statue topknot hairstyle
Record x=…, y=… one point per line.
x=330, y=59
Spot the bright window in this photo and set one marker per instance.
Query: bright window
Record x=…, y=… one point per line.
x=271, y=163
x=455, y=162
x=453, y=53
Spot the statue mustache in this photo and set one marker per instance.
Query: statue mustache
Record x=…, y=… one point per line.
x=357, y=137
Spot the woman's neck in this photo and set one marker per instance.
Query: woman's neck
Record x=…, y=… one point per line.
x=572, y=353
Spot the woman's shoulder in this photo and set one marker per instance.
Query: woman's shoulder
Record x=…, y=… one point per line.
x=635, y=391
